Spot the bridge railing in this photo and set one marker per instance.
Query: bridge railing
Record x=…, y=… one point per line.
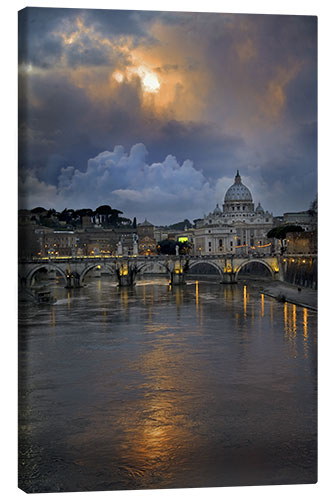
x=92, y=258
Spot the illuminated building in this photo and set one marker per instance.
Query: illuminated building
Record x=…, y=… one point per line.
x=238, y=228
x=146, y=240
x=214, y=239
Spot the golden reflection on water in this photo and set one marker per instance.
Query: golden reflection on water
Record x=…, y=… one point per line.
x=179, y=293
x=294, y=320
x=236, y=319
x=290, y=322
x=262, y=305
x=290, y=327
x=99, y=290
x=124, y=297
x=305, y=332
x=228, y=293
x=156, y=327
x=179, y=296
x=293, y=332
x=157, y=426
x=162, y=426
x=156, y=429
x=285, y=310
x=68, y=300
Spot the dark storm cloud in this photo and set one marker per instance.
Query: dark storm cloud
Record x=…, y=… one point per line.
x=55, y=132
x=254, y=79
x=251, y=51
x=120, y=23
x=301, y=93
x=40, y=43
x=212, y=150
x=85, y=54
x=75, y=128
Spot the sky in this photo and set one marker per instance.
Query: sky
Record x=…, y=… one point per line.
x=153, y=112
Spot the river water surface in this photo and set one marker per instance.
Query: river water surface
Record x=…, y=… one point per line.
x=159, y=387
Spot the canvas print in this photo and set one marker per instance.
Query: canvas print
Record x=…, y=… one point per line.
x=167, y=252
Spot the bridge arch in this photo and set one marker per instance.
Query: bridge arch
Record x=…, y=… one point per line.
x=38, y=267
x=90, y=267
x=142, y=269
x=259, y=261
x=204, y=261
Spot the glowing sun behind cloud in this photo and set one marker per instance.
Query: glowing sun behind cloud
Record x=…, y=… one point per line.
x=150, y=82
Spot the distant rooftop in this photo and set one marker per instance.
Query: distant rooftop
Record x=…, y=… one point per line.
x=146, y=223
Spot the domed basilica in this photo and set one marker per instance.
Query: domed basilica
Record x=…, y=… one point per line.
x=238, y=228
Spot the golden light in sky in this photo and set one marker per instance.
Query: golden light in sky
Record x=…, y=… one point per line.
x=150, y=82
x=119, y=77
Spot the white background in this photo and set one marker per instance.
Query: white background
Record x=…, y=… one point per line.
x=8, y=244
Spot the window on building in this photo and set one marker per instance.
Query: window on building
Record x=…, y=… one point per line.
x=220, y=243
x=209, y=243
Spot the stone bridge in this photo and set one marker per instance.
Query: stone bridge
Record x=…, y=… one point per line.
x=75, y=269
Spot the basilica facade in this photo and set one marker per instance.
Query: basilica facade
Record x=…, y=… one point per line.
x=238, y=227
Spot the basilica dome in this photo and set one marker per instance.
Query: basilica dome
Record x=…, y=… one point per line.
x=238, y=192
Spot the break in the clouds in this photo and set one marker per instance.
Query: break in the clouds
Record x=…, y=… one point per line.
x=224, y=91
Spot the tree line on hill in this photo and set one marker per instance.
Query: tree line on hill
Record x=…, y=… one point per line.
x=110, y=217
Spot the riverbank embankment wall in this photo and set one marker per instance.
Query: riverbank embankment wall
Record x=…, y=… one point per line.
x=300, y=270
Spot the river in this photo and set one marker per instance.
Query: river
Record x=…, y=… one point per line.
x=160, y=387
